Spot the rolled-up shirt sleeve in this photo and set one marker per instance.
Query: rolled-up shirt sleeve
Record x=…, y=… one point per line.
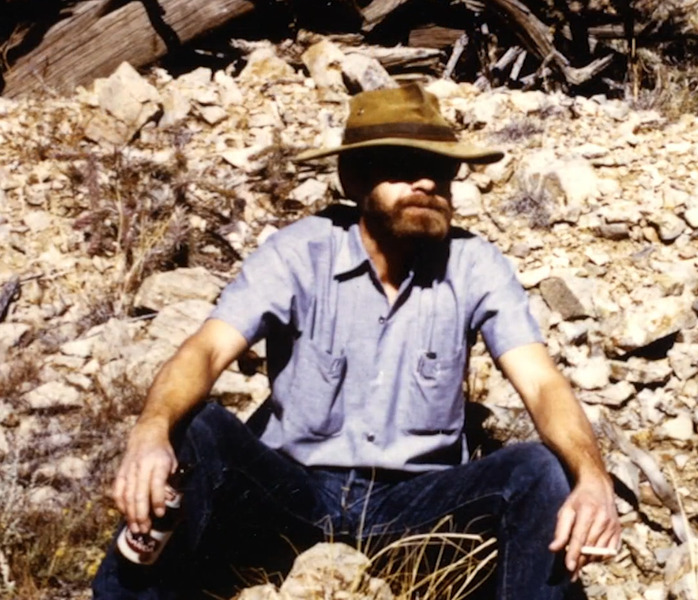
x=262, y=292
x=502, y=313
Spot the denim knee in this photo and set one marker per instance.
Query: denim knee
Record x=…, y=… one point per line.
x=541, y=473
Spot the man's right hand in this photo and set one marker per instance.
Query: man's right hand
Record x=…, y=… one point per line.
x=142, y=476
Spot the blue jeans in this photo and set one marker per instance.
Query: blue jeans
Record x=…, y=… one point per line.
x=248, y=506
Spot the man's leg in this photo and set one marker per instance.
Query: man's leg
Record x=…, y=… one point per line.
x=521, y=487
x=242, y=502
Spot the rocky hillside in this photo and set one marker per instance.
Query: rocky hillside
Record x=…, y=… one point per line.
x=127, y=206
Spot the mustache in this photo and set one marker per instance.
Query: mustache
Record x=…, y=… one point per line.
x=425, y=201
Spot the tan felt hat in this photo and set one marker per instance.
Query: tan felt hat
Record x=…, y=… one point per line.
x=406, y=116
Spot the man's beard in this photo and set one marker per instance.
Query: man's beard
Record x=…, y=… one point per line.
x=409, y=219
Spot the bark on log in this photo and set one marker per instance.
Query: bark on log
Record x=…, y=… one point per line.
x=378, y=10
x=95, y=40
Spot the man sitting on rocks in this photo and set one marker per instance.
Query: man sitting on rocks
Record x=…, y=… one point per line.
x=369, y=314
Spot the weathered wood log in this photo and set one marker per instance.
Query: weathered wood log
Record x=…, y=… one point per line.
x=537, y=38
x=101, y=34
x=434, y=36
x=378, y=10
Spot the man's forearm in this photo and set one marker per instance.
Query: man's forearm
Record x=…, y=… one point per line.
x=564, y=427
x=187, y=378
x=182, y=382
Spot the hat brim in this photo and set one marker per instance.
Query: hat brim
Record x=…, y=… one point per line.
x=457, y=150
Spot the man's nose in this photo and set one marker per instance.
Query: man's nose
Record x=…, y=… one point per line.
x=424, y=184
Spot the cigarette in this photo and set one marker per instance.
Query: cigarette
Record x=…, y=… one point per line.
x=596, y=551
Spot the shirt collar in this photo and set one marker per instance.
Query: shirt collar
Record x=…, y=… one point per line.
x=352, y=255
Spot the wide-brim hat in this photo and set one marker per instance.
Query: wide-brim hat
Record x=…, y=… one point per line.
x=406, y=116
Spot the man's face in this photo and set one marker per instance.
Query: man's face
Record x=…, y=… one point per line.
x=409, y=192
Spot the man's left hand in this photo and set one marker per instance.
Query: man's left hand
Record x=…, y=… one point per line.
x=587, y=518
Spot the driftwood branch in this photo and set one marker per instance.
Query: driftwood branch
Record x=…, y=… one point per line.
x=378, y=10
x=96, y=39
x=537, y=38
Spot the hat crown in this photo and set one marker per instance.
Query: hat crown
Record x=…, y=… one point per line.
x=408, y=112
x=409, y=103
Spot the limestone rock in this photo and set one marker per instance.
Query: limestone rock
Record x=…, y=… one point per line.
x=683, y=359
x=679, y=428
x=127, y=102
x=613, y=395
x=263, y=65
x=11, y=334
x=669, y=226
x=467, y=199
x=309, y=192
x=266, y=591
x=53, y=396
x=330, y=570
x=592, y=375
x=324, y=63
x=568, y=184
x=366, y=73
x=169, y=287
x=641, y=325
x=176, y=322
x=679, y=573
x=560, y=298
x=640, y=370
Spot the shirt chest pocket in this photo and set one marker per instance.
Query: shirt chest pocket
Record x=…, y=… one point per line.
x=314, y=408
x=437, y=404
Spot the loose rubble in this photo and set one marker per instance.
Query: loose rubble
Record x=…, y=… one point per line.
x=594, y=204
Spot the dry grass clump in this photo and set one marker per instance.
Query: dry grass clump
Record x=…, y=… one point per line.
x=537, y=208
x=438, y=565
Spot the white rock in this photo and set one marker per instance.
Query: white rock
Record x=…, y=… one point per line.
x=532, y=277
x=266, y=232
x=640, y=370
x=366, y=73
x=691, y=217
x=592, y=375
x=212, y=114
x=466, y=199
x=230, y=93
x=310, y=191
x=264, y=65
x=11, y=334
x=683, y=359
x=569, y=184
x=641, y=325
x=81, y=348
x=329, y=571
x=529, y=102
x=612, y=395
x=53, y=395
x=38, y=220
x=266, y=591
x=176, y=322
x=502, y=170
x=170, y=287
x=324, y=63
x=44, y=497
x=679, y=428
x=73, y=467
x=669, y=226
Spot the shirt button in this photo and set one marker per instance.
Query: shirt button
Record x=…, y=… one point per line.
x=381, y=320
x=370, y=437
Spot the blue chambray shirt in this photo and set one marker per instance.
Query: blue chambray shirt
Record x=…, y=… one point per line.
x=356, y=382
